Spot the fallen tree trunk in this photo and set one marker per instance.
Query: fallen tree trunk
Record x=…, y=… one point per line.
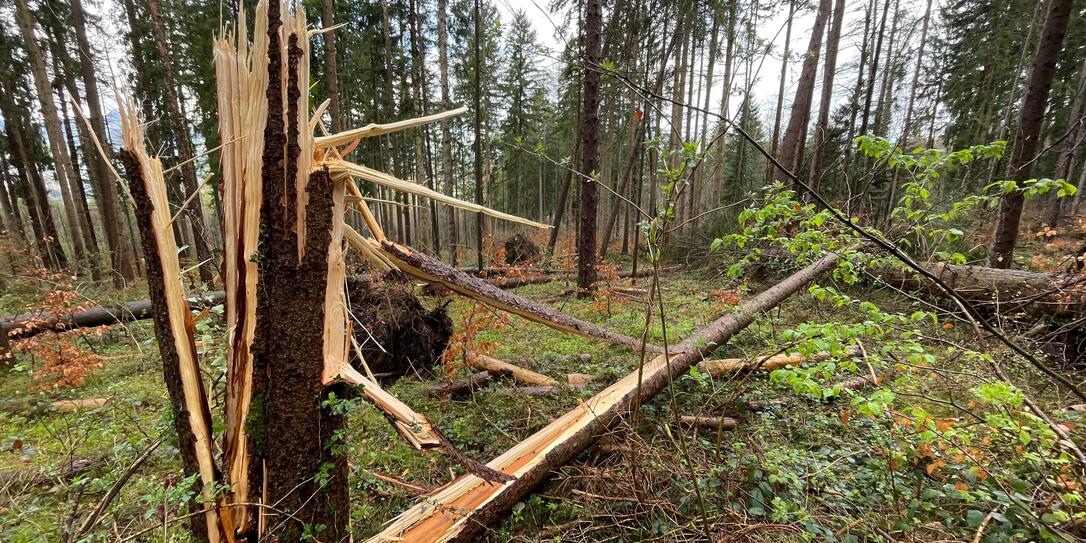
x=498, y=367
x=1005, y=291
x=462, y=509
x=32, y=324
x=728, y=366
x=709, y=423
x=515, y=282
x=433, y=271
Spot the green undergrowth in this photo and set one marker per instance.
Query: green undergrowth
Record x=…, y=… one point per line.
x=808, y=461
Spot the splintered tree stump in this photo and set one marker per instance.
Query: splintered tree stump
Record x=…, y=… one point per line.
x=396, y=334
x=520, y=250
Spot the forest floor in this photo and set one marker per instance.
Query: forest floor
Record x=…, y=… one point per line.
x=796, y=468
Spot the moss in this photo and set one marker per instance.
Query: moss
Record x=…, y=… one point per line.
x=256, y=425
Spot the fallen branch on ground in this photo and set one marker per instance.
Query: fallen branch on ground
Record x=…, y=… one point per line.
x=728, y=366
x=461, y=510
x=710, y=423
x=498, y=367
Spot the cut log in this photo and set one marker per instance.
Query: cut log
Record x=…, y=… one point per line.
x=709, y=423
x=32, y=324
x=459, y=388
x=433, y=271
x=462, y=509
x=1005, y=291
x=498, y=367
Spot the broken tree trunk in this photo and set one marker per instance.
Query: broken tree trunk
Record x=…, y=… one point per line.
x=436, y=272
x=709, y=423
x=173, y=327
x=462, y=509
x=1005, y=291
x=459, y=388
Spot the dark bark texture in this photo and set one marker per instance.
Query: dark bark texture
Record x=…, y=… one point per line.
x=167, y=349
x=590, y=143
x=1026, y=139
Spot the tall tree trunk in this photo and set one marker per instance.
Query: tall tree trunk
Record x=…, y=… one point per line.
x=586, y=234
x=195, y=209
x=796, y=133
x=86, y=225
x=775, y=141
x=447, y=164
x=120, y=257
x=833, y=42
x=61, y=161
x=331, y=75
x=478, y=143
x=1071, y=146
x=1026, y=139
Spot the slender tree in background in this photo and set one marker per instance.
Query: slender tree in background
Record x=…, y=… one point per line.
x=31, y=188
x=1070, y=147
x=65, y=174
x=120, y=256
x=331, y=75
x=822, y=126
x=586, y=233
x=795, y=135
x=446, y=134
x=874, y=70
x=194, y=209
x=906, y=125
x=775, y=142
x=1027, y=137
x=478, y=143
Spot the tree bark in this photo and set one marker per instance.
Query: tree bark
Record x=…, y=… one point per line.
x=447, y=164
x=61, y=160
x=120, y=257
x=1027, y=137
x=290, y=429
x=195, y=209
x=796, y=133
x=822, y=126
x=478, y=143
x=1007, y=291
x=586, y=232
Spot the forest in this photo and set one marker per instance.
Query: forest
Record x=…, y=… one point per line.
x=542, y=270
